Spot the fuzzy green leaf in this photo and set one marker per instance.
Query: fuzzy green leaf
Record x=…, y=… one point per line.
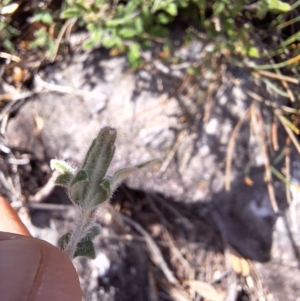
x=81, y=175
x=78, y=192
x=61, y=166
x=120, y=176
x=100, y=154
x=85, y=247
x=64, y=240
x=64, y=179
x=93, y=232
x=101, y=195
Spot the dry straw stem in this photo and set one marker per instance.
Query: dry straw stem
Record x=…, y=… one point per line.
x=288, y=170
x=288, y=130
x=283, y=79
x=278, y=76
x=271, y=103
x=268, y=175
x=155, y=252
x=167, y=236
x=274, y=136
x=230, y=148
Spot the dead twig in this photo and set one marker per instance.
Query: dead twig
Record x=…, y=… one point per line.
x=268, y=174
x=289, y=132
x=230, y=148
x=9, y=56
x=65, y=29
x=45, y=190
x=288, y=170
x=173, y=151
x=167, y=235
x=278, y=76
x=271, y=104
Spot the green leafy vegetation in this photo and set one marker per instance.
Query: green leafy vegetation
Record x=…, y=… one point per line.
x=130, y=26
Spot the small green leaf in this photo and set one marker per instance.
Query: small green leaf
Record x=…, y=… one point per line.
x=96, y=34
x=191, y=70
x=100, y=196
x=106, y=184
x=88, y=44
x=108, y=42
x=62, y=166
x=120, y=176
x=81, y=175
x=64, y=179
x=78, y=192
x=84, y=248
x=64, y=240
x=158, y=31
x=70, y=13
x=47, y=18
x=171, y=9
x=93, y=232
x=131, y=7
x=100, y=154
x=8, y=45
x=164, y=18
x=138, y=23
x=134, y=55
x=276, y=6
x=253, y=52
x=80, y=7
x=127, y=33
x=218, y=7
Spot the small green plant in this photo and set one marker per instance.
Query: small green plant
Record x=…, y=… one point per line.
x=129, y=25
x=88, y=187
x=7, y=31
x=42, y=38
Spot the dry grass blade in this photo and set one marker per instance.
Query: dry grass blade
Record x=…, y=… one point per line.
x=289, y=124
x=206, y=290
x=177, y=294
x=68, y=25
x=173, y=151
x=230, y=148
x=289, y=132
x=286, y=63
x=288, y=170
x=274, y=136
x=176, y=253
x=278, y=76
x=9, y=56
x=268, y=175
x=156, y=254
x=239, y=265
x=271, y=104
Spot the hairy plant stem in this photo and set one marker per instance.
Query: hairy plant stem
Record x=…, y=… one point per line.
x=83, y=223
